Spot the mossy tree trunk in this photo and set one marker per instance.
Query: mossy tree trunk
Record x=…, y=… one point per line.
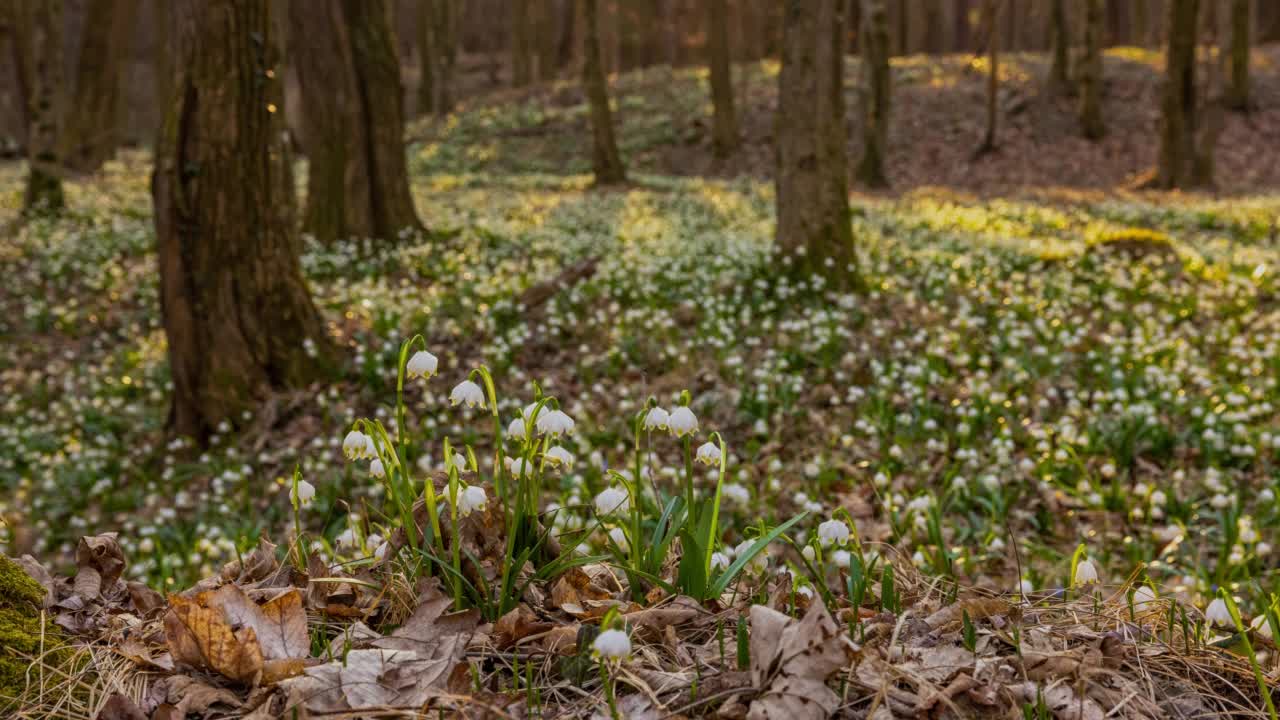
x=1060, y=42
x=811, y=181
x=22, y=630
x=1178, y=101
x=358, y=183
x=1237, y=94
x=877, y=94
x=724, y=118
x=606, y=161
x=93, y=121
x=42, y=26
x=991, y=18
x=1091, y=123
x=237, y=313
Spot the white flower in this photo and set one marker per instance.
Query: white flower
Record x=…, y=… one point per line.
x=423, y=364
x=531, y=410
x=833, y=532
x=555, y=423
x=719, y=561
x=518, y=467
x=612, y=500
x=346, y=538
x=303, y=494
x=612, y=644
x=737, y=493
x=470, y=499
x=1261, y=626
x=758, y=563
x=460, y=462
x=1086, y=573
x=1218, y=614
x=708, y=454
x=376, y=469
x=516, y=429
x=656, y=419
x=619, y=538
x=682, y=422
x=358, y=446
x=467, y=393
x=1143, y=598
x=841, y=558
x=808, y=553
x=559, y=456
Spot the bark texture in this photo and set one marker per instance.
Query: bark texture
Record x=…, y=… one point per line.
x=1178, y=102
x=1237, y=94
x=606, y=162
x=991, y=14
x=42, y=22
x=1060, y=42
x=811, y=178
x=724, y=118
x=237, y=314
x=92, y=129
x=521, y=44
x=1091, y=123
x=349, y=77
x=877, y=94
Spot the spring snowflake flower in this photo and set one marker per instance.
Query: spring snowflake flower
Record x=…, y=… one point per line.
x=1143, y=598
x=682, y=422
x=841, y=558
x=736, y=493
x=708, y=454
x=833, y=532
x=376, y=469
x=515, y=430
x=460, y=462
x=518, y=467
x=760, y=562
x=1218, y=614
x=470, y=499
x=656, y=419
x=612, y=644
x=303, y=494
x=467, y=393
x=559, y=456
x=358, y=446
x=423, y=364
x=555, y=423
x=719, y=561
x=1086, y=573
x=619, y=538
x=612, y=500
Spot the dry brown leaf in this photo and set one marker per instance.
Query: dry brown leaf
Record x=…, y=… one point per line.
x=280, y=624
x=139, y=653
x=574, y=588
x=978, y=609
x=1062, y=701
x=370, y=679
x=791, y=661
x=519, y=623
x=120, y=707
x=103, y=554
x=202, y=637
x=187, y=695
x=651, y=622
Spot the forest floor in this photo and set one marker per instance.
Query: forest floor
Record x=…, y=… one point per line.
x=1045, y=361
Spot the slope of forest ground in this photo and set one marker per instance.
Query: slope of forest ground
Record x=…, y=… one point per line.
x=1027, y=374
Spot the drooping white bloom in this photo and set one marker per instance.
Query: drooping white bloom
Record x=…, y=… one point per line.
x=1143, y=598
x=708, y=454
x=619, y=538
x=736, y=493
x=612, y=500
x=612, y=644
x=841, y=558
x=467, y=393
x=555, y=423
x=376, y=469
x=719, y=561
x=656, y=419
x=532, y=410
x=1261, y=626
x=460, y=462
x=346, y=538
x=516, y=429
x=422, y=364
x=808, y=553
x=357, y=446
x=303, y=494
x=518, y=467
x=833, y=532
x=1218, y=614
x=682, y=422
x=1086, y=573
x=470, y=499
x=559, y=456
x=760, y=562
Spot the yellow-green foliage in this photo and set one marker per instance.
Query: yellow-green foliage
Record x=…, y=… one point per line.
x=20, y=628
x=1132, y=237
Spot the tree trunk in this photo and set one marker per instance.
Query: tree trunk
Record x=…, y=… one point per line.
x=931, y=18
x=521, y=45
x=1060, y=41
x=606, y=162
x=381, y=97
x=237, y=313
x=724, y=120
x=877, y=94
x=1178, y=103
x=437, y=52
x=903, y=27
x=1142, y=22
x=1237, y=95
x=991, y=15
x=45, y=109
x=962, y=32
x=1091, y=124
x=813, y=227
x=92, y=129
x=427, y=57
